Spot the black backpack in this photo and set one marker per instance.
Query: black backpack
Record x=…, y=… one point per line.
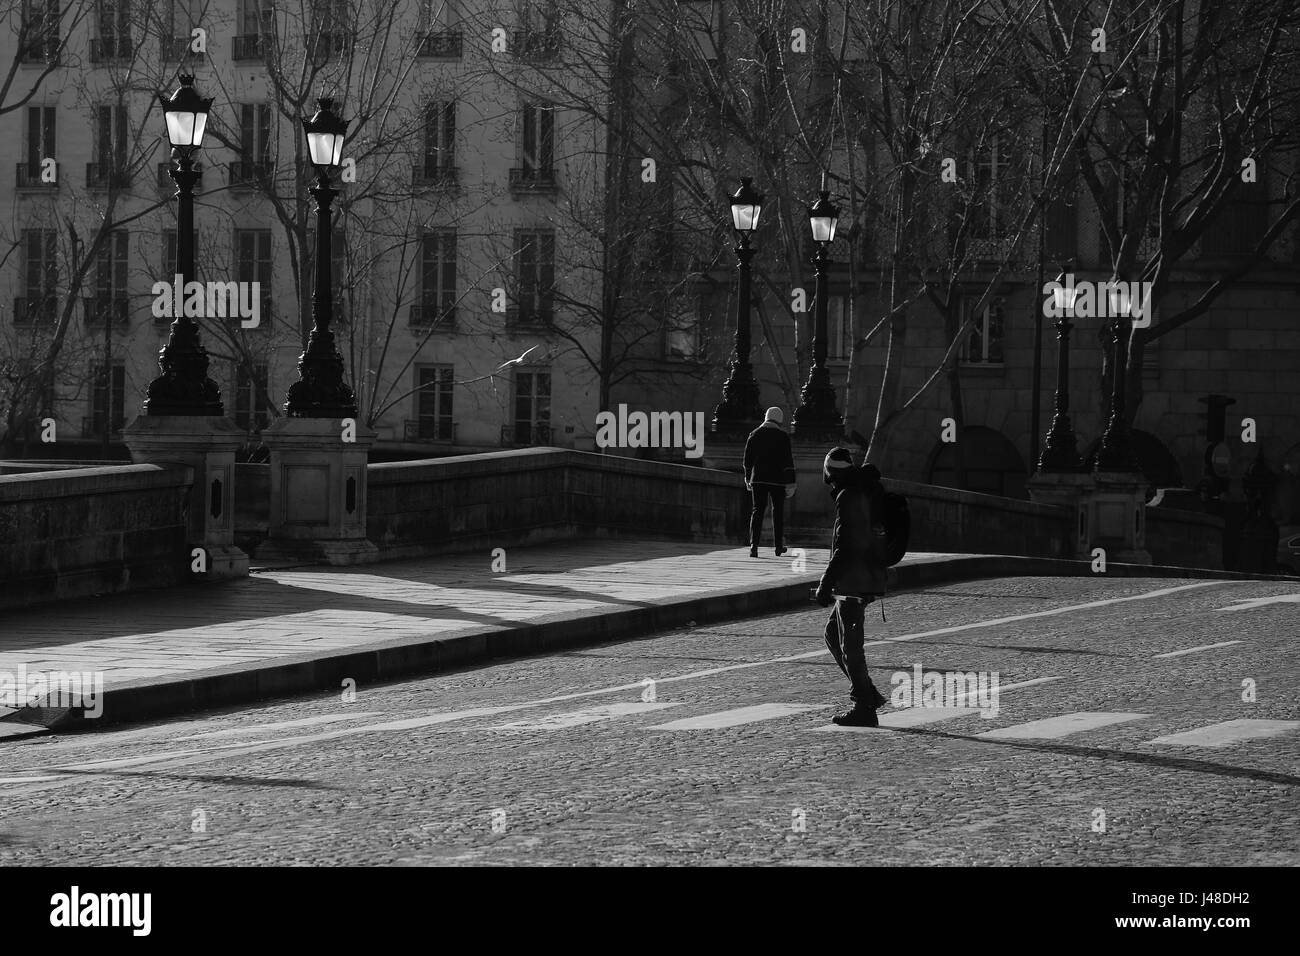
x=898, y=525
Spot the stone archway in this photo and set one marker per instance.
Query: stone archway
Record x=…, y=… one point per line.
x=1156, y=460
x=993, y=464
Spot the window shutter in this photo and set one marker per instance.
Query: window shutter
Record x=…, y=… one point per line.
x=448, y=270
x=429, y=273
x=448, y=144
x=546, y=272
x=546, y=144
x=530, y=139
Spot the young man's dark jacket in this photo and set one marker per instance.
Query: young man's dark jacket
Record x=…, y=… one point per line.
x=857, y=567
x=769, y=459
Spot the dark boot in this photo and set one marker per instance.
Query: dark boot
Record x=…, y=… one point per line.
x=857, y=717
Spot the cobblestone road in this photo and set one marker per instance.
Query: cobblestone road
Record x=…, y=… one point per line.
x=1120, y=737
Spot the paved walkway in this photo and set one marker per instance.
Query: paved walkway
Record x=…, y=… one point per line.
x=285, y=614
x=289, y=631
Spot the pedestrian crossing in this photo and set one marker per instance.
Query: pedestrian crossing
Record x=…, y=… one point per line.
x=1057, y=727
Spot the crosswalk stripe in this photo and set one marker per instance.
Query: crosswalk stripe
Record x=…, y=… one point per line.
x=589, y=715
x=1228, y=732
x=1193, y=650
x=738, y=716
x=1051, y=728
x=906, y=717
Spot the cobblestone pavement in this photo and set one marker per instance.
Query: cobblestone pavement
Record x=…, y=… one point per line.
x=1109, y=745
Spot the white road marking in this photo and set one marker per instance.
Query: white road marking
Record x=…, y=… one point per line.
x=281, y=725
x=1050, y=728
x=1193, y=650
x=1229, y=732
x=738, y=716
x=919, y=716
x=240, y=749
x=590, y=715
x=1249, y=604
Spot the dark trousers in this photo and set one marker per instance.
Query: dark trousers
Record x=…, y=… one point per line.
x=845, y=636
x=760, y=494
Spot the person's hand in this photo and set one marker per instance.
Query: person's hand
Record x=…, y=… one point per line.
x=824, y=596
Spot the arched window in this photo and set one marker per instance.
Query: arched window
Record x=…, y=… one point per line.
x=993, y=466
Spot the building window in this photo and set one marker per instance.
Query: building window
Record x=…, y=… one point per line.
x=40, y=276
x=538, y=35
x=109, y=282
x=252, y=410
x=984, y=345
x=685, y=335
x=535, y=277
x=113, y=21
x=532, y=395
x=991, y=173
x=256, y=22
x=537, y=144
x=254, y=163
x=433, y=403
x=253, y=264
x=107, y=398
x=839, y=329
x=439, y=140
x=40, y=140
x=333, y=28
x=109, y=168
x=40, y=30
x=437, y=303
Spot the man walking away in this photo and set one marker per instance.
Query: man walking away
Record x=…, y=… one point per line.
x=769, y=467
x=855, y=577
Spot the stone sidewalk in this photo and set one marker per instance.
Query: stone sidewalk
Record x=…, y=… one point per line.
x=294, y=630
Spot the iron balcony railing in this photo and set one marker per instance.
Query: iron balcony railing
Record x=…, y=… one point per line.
x=425, y=314
x=532, y=179
x=101, y=176
x=29, y=310
x=440, y=429
x=100, y=307
x=29, y=176
x=447, y=44
x=522, y=434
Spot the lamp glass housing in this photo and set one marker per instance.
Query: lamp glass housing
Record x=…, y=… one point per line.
x=746, y=206
x=823, y=217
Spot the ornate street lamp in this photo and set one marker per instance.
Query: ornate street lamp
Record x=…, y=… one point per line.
x=1060, y=449
x=817, y=417
x=739, y=411
x=184, y=388
x=320, y=391
x=1116, y=451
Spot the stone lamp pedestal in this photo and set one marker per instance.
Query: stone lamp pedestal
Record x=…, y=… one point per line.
x=318, y=492
x=206, y=444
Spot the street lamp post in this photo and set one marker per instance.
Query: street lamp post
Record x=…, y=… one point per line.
x=1116, y=452
x=817, y=417
x=320, y=391
x=183, y=388
x=739, y=410
x=1060, y=448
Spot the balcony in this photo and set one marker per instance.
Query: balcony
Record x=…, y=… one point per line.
x=441, y=430
x=29, y=178
x=100, y=307
x=532, y=180
x=251, y=46
x=177, y=49
x=100, y=176
x=441, y=44
x=41, y=49
x=107, y=49
x=245, y=175
x=166, y=183
x=93, y=427
x=523, y=434
x=34, y=310
x=435, y=177
x=523, y=319
x=536, y=45
x=332, y=43
x=429, y=315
